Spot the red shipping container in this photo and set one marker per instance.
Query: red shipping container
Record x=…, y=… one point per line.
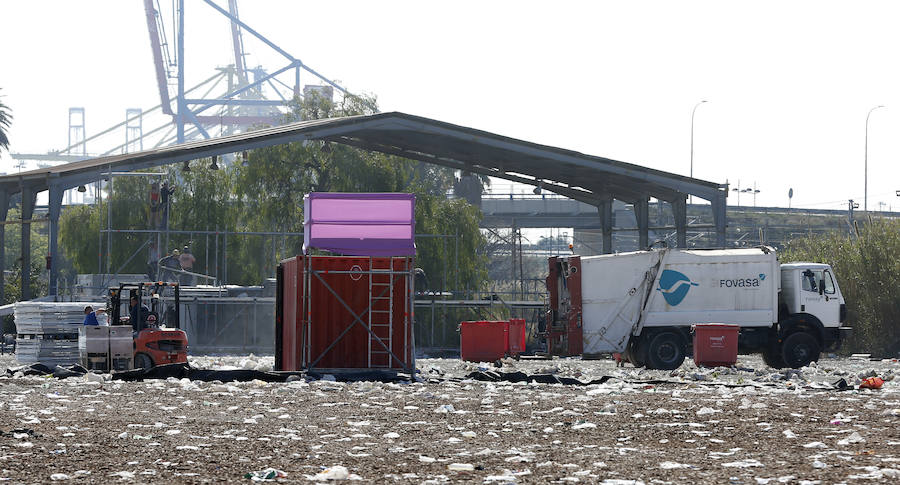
x=483, y=341
x=715, y=344
x=515, y=336
x=345, y=312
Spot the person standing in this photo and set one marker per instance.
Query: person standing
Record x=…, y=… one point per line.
x=90, y=316
x=154, y=206
x=186, y=260
x=164, y=193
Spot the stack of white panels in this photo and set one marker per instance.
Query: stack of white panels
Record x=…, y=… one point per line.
x=47, y=332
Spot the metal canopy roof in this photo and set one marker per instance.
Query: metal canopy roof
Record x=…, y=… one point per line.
x=595, y=180
x=582, y=177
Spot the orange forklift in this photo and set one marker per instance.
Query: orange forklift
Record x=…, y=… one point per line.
x=155, y=321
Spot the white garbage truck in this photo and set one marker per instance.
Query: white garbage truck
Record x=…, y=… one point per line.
x=642, y=305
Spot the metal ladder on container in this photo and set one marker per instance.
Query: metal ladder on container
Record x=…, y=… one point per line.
x=381, y=314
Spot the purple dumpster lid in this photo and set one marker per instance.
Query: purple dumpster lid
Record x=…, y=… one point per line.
x=372, y=224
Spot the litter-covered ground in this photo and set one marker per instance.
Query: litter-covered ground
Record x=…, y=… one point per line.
x=748, y=425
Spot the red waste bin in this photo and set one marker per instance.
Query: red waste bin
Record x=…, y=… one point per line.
x=515, y=341
x=715, y=344
x=482, y=341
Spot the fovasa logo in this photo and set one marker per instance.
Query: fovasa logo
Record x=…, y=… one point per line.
x=674, y=286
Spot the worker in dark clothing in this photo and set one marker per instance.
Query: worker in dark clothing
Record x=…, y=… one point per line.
x=137, y=314
x=164, y=193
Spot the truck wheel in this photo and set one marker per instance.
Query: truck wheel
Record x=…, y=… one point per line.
x=637, y=352
x=666, y=351
x=799, y=349
x=142, y=361
x=772, y=357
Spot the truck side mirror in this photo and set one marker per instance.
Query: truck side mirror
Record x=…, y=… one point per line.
x=822, y=286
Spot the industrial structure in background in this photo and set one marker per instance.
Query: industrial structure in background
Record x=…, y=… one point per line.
x=231, y=100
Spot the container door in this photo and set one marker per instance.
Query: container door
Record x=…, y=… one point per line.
x=825, y=305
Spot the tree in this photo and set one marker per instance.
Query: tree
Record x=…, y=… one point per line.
x=5, y=121
x=273, y=183
x=125, y=210
x=868, y=273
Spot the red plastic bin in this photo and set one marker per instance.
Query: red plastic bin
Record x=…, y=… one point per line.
x=715, y=344
x=515, y=336
x=482, y=341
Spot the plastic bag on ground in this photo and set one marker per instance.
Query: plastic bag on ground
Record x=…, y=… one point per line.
x=266, y=475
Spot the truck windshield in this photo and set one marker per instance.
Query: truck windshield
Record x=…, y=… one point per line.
x=810, y=280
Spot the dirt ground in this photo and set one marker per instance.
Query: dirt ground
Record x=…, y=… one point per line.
x=740, y=426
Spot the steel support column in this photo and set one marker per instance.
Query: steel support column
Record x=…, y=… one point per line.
x=642, y=214
x=4, y=210
x=55, y=203
x=606, y=222
x=28, y=200
x=182, y=106
x=679, y=211
x=719, y=208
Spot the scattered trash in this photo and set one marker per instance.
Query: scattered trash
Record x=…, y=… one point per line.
x=336, y=472
x=461, y=467
x=705, y=410
x=872, y=383
x=853, y=438
x=269, y=474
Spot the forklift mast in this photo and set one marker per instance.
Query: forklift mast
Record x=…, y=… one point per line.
x=169, y=315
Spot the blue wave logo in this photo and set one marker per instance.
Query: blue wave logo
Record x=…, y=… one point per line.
x=762, y=276
x=674, y=286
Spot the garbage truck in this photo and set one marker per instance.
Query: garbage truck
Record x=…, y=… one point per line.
x=642, y=305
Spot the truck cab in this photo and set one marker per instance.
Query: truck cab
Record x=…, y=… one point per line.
x=810, y=292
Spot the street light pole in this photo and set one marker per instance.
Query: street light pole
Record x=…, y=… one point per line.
x=866, y=163
x=693, y=112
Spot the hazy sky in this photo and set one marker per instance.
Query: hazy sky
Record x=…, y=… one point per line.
x=788, y=83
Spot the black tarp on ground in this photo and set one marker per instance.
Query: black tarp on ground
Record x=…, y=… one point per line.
x=494, y=376
x=181, y=371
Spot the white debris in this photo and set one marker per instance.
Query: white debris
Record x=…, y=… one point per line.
x=584, y=425
x=705, y=410
x=853, y=438
x=789, y=434
x=815, y=444
x=743, y=463
x=461, y=467
x=123, y=475
x=59, y=476
x=336, y=472
x=445, y=408
x=92, y=377
x=391, y=436
x=671, y=465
